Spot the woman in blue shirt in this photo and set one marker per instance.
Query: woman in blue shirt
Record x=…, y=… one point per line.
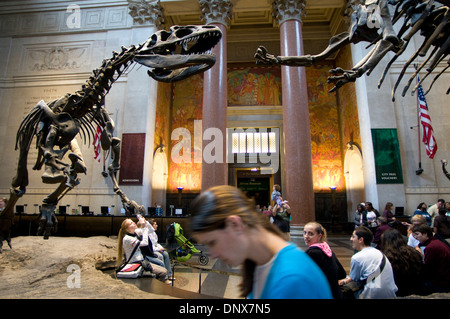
x=422, y=210
x=225, y=220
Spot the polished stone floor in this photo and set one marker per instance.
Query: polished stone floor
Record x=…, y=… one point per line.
x=218, y=280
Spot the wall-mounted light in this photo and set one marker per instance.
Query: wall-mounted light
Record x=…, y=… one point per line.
x=254, y=142
x=350, y=145
x=160, y=147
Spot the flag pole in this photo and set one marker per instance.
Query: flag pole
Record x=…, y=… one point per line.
x=420, y=169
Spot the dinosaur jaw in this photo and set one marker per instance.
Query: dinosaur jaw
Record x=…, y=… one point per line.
x=172, y=68
x=180, y=52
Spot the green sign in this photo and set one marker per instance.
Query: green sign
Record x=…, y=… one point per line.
x=388, y=164
x=257, y=184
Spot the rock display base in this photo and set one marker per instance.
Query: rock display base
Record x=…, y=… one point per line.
x=63, y=268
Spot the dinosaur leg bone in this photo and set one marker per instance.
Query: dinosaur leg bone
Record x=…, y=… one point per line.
x=130, y=206
x=48, y=222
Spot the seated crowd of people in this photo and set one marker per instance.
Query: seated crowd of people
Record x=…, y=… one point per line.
x=420, y=260
x=385, y=263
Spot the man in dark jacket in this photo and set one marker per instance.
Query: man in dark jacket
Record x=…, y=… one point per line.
x=436, y=259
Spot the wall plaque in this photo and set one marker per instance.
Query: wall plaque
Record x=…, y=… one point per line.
x=132, y=159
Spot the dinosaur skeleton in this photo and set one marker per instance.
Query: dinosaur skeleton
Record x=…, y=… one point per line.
x=171, y=56
x=371, y=21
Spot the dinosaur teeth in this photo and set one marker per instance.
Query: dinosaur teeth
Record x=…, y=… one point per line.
x=185, y=45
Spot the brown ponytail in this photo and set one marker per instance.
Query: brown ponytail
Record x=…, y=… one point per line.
x=211, y=208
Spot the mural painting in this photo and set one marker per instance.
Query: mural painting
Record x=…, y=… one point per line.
x=251, y=86
x=324, y=123
x=186, y=108
x=254, y=86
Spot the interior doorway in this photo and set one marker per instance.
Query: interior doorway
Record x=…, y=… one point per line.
x=257, y=189
x=255, y=185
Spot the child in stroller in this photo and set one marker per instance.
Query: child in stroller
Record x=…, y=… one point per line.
x=185, y=248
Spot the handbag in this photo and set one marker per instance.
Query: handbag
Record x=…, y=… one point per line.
x=125, y=262
x=132, y=271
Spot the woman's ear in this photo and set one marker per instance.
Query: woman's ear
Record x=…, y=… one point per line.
x=235, y=223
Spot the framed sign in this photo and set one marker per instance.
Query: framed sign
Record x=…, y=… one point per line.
x=132, y=159
x=388, y=164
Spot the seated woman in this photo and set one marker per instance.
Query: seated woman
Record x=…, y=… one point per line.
x=406, y=263
x=158, y=249
x=422, y=211
x=315, y=237
x=413, y=242
x=131, y=235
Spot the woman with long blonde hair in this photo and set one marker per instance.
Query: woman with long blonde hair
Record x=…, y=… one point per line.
x=226, y=221
x=131, y=235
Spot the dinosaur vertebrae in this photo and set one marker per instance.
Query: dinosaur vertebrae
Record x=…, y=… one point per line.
x=93, y=92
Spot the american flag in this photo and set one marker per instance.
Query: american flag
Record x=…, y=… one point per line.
x=96, y=143
x=425, y=120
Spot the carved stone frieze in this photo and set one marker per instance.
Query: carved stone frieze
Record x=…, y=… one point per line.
x=56, y=58
x=284, y=10
x=216, y=11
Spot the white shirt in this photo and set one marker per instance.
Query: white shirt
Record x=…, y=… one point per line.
x=260, y=276
x=366, y=262
x=372, y=219
x=129, y=242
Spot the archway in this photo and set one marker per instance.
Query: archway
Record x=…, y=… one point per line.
x=354, y=177
x=159, y=179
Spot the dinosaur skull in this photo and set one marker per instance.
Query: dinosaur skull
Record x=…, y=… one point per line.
x=180, y=52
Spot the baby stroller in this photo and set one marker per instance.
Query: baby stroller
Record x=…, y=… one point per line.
x=185, y=248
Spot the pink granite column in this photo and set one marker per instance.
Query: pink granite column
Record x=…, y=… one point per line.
x=216, y=13
x=298, y=186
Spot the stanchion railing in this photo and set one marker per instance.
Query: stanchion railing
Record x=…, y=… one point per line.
x=200, y=269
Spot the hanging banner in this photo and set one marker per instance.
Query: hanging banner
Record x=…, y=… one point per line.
x=388, y=164
x=132, y=159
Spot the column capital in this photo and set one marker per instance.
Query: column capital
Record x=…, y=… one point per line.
x=146, y=12
x=216, y=11
x=284, y=10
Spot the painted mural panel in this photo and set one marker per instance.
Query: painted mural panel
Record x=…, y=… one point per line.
x=186, y=108
x=254, y=86
x=162, y=120
x=348, y=109
x=324, y=123
x=246, y=87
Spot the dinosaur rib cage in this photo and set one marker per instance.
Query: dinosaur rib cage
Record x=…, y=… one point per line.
x=93, y=92
x=84, y=105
